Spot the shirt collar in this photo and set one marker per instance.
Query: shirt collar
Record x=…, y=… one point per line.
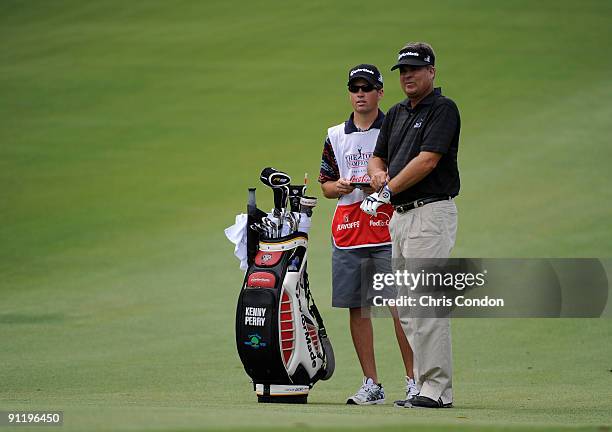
x=349, y=125
x=428, y=100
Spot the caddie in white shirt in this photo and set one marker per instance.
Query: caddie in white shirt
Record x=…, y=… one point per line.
x=358, y=238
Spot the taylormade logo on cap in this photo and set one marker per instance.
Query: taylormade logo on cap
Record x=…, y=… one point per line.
x=361, y=70
x=415, y=56
x=407, y=53
x=367, y=71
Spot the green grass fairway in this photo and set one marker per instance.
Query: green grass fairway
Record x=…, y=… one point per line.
x=131, y=130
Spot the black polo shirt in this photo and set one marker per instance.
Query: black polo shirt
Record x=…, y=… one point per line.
x=433, y=125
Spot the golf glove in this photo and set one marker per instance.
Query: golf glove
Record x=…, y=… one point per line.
x=372, y=202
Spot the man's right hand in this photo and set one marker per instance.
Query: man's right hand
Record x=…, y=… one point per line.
x=379, y=179
x=343, y=187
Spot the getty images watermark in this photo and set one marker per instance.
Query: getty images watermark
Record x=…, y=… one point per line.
x=489, y=287
x=427, y=280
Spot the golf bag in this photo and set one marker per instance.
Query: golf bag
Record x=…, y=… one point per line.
x=280, y=335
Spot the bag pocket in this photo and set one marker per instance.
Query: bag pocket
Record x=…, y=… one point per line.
x=257, y=334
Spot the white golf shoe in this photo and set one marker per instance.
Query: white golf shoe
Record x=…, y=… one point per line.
x=370, y=393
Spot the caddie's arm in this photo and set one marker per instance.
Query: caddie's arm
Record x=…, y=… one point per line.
x=416, y=170
x=377, y=170
x=332, y=185
x=335, y=189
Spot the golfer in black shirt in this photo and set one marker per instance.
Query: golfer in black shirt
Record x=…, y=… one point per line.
x=414, y=167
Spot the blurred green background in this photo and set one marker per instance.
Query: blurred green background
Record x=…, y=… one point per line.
x=130, y=132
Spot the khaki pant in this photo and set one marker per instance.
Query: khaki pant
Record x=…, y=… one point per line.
x=426, y=232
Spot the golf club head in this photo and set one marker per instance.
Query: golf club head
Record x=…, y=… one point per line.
x=259, y=228
x=274, y=178
x=289, y=222
x=272, y=226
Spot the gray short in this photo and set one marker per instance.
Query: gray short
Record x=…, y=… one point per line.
x=352, y=266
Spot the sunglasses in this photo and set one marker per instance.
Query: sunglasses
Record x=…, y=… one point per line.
x=366, y=88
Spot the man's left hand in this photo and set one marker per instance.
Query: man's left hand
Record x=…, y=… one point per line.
x=372, y=202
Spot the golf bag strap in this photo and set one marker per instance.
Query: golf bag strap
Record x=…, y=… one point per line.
x=312, y=306
x=329, y=357
x=315, y=312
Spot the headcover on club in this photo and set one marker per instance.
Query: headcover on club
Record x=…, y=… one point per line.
x=274, y=178
x=295, y=193
x=307, y=203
